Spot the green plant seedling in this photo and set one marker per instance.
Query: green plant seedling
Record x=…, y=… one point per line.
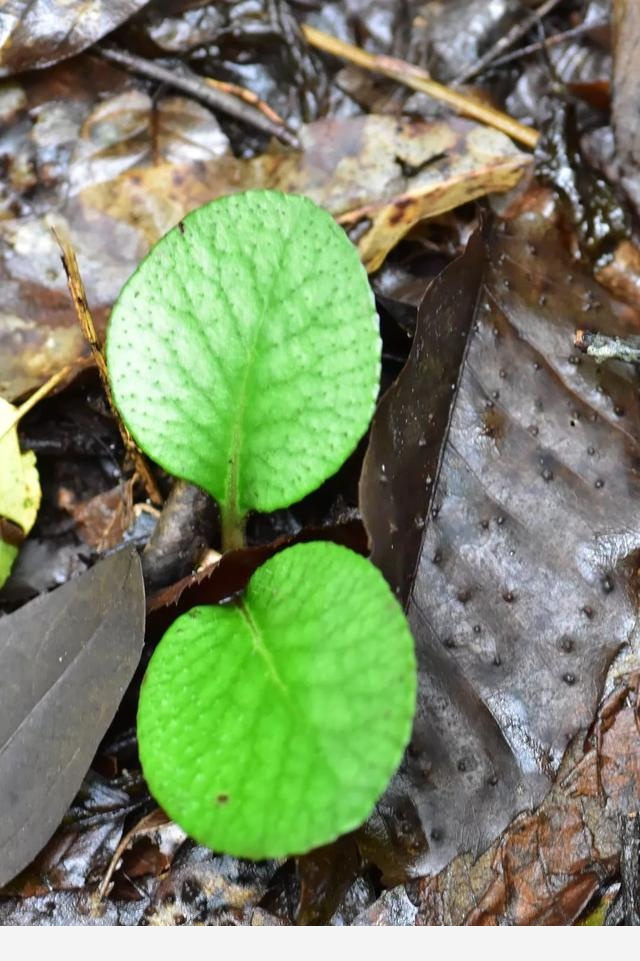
x=271, y=725
x=244, y=356
x=244, y=352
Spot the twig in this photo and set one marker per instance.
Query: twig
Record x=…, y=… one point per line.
x=602, y=347
x=511, y=36
x=552, y=41
x=249, y=97
x=417, y=79
x=210, y=94
x=79, y=298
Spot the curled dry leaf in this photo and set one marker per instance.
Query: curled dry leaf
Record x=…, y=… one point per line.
x=37, y=33
x=517, y=558
x=361, y=164
x=471, y=165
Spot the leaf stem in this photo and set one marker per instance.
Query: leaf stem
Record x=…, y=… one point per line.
x=233, y=525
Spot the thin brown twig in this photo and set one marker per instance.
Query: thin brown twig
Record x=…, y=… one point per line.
x=249, y=97
x=201, y=89
x=417, y=79
x=552, y=41
x=79, y=298
x=511, y=36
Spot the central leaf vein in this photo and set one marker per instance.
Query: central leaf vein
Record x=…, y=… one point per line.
x=261, y=648
x=232, y=506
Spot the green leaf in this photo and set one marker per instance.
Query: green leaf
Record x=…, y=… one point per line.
x=271, y=725
x=244, y=352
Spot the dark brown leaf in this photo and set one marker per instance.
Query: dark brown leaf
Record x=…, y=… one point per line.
x=525, y=585
x=325, y=876
x=36, y=33
x=407, y=438
x=66, y=659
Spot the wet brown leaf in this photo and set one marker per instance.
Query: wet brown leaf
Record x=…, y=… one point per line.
x=548, y=865
x=325, y=876
x=79, y=852
x=231, y=573
x=102, y=520
x=525, y=579
x=37, y=33
x=348, y=165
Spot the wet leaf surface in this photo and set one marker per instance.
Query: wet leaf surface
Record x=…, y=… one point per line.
x=406, y=440
x=448, y=49
x=525, y=586
x=549, y=864
x=79, y=851
x=375, y=173
x=66, y=660
x=37, y=33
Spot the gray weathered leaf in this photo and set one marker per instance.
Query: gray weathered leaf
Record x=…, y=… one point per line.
x=66, y=659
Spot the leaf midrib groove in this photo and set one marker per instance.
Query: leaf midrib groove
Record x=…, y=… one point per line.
x=231, y=488
x=262, y=650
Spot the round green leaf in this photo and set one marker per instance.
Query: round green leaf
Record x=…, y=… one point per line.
x=271, y=725
x=244, y=352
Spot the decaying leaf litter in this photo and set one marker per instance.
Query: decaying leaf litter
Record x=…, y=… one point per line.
x=499, y=501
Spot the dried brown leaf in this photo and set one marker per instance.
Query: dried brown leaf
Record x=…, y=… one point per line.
x=346, y=165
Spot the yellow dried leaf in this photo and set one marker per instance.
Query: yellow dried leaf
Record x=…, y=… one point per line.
x=20, y=492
